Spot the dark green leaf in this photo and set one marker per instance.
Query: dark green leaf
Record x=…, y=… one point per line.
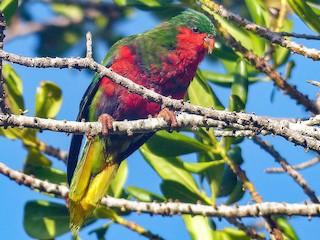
x=173, y=144
x=172, y=169
x=45, y=220
x=214, y=175
x=228, y=182
x=236, y=194
x=305, y=12
x=8, y=7
x=240, y=82
x=176, y=191
x=144, y=195
x=48, y=100
x=56, y=40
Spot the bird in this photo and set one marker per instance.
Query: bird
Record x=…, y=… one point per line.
x=163, y=59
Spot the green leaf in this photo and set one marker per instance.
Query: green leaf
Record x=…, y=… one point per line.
x=236, y=194
x=56, y=40
x=213, y=175
x=71, y=11
x=51, y=174
x=287, y=228
x=173, y=144
x=48, y=100
x=232, y=234
x=172, y=169
x=177, y=191
x=45, y=220
x=281, y=54
x=201, y=166
x=198, y=227
x=8, y=7
x=305, y=12
x=117, y=183
x=35, y=158
x=14, y=89
x=225, y=80
x=144, y=195
x=143, y=3
x=240, y=82
x=201, y=94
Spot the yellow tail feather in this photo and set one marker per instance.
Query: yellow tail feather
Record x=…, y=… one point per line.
x=87, y=187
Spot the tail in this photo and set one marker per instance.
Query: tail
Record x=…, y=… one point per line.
x=90, y=181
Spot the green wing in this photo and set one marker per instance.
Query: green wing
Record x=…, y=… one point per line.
x=85, y=103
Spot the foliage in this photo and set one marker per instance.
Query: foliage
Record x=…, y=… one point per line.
x=209, y=178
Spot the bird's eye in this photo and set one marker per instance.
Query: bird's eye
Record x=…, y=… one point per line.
x=195, y=29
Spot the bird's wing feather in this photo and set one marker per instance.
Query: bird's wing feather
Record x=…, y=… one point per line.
x=76, y=140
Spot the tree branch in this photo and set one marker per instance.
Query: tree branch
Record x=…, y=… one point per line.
x=300, y=166
x=273, y=37
x=172, y=208
x=297, y=177
x=256, y=123
x=3, y=107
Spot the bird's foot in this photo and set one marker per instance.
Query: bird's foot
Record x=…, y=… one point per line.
x=169, y=116
x=106, y=120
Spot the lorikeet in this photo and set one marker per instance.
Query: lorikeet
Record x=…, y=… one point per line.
x=163, y=59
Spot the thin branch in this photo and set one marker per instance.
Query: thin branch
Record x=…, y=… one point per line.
x=298, y=35
x=135, y=227
x=54, y=152
x=248, y=230
x=297, y=177
x=273, y=37
x=266, y=68
x=3, y=107
x=172, y=208
x=300, y=166
x=284, y=128
x=315, y=83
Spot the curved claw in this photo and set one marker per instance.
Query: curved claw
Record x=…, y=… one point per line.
x=169, y=116
x=106, y=120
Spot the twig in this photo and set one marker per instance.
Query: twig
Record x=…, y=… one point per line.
x=297, y=177
x=297, y=35
x=266, y=68
x=300, y=166
x=315, y=83
x=172, y=208
x=248, y=230
x=54, y=152
x=273, y=37
x=135, y=227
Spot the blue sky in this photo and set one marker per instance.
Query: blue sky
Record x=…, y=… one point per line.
x=73, y=83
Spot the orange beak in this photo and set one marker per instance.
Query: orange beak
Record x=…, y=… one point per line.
x=209, y=43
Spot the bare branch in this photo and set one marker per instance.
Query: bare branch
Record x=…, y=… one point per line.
x=172, y=208
x=297, y=177
x=273, y=37
x=300, y=166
